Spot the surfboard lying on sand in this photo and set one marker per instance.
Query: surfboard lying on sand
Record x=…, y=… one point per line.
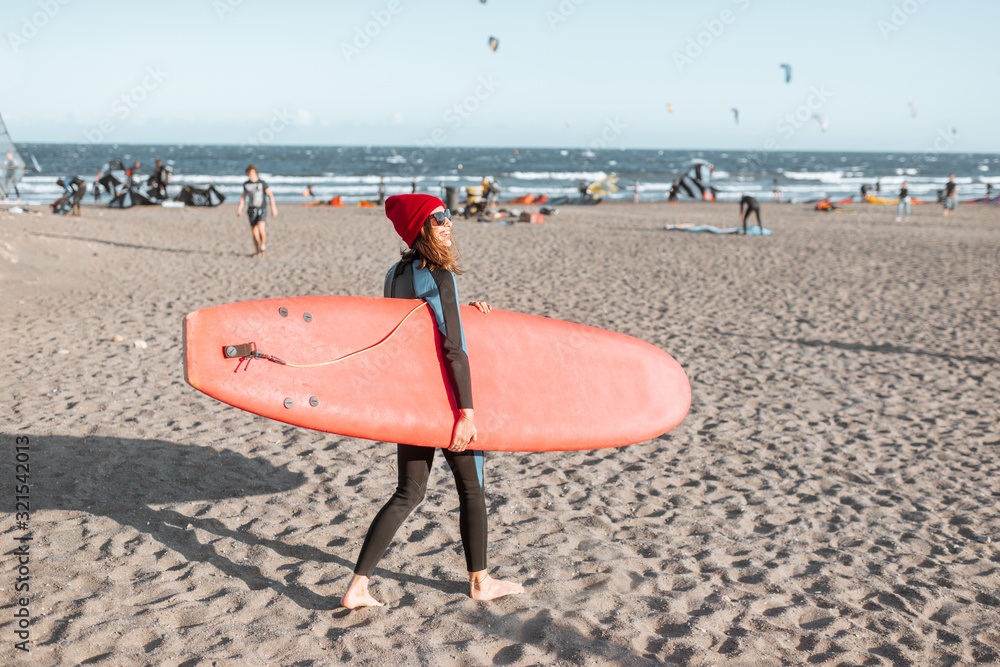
x=373, y=368
x=688, y=227
x=871, y=199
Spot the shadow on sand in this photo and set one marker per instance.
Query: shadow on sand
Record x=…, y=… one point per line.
x=119, y=244
x=884, y=348
x=122, y=478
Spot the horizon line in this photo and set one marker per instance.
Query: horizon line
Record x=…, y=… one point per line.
x=505, y=146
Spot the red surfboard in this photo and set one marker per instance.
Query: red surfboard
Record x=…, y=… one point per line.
x=538, y=384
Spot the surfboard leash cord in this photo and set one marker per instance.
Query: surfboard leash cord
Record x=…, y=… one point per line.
x=248, y=351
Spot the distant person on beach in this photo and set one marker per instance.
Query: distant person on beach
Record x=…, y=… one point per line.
x=134, y=174
x=903, y=207
x=675, y=189
x=10, y=170
x=73, y=193
x=381, y=191
x=97, y=190
x=950, y=196
x=864, y=192
x=256, y=193
x=79, y=187
x=751, y=206
x=160, y=179
x=777, y=194
x=491, y=192
x=878, y=187
x=413, y=185
x=635, y=191
x=426, y=270
x=989, y=192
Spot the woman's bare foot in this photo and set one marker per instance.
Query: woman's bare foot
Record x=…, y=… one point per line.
x=357, y=594
x=485, y=587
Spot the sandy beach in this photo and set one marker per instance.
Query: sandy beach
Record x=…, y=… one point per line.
x=831, y=499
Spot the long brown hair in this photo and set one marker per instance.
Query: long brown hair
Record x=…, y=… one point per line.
x=431, y=254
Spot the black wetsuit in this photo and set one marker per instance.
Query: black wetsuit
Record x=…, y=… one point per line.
x=159, y=181
x=406, y=281
x=752, y=206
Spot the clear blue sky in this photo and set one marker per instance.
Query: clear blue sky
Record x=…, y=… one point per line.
x=566, y=73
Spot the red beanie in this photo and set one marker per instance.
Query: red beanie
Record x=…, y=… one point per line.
x=409, y=213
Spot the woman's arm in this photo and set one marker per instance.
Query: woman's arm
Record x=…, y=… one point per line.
x=452, y=341
x=464, y=433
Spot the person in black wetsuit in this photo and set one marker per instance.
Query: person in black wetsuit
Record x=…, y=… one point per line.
x=950, y=196
x=675, y=189
x=160, y=179
x=427, y=271
x=751, y=206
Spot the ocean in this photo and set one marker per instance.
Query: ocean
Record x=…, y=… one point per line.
x=354, y=172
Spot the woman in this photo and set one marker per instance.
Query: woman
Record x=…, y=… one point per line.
x=427, y=271
x=904, y=203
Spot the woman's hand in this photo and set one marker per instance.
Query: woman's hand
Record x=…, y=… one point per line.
x=464, y=432
x=482, y=306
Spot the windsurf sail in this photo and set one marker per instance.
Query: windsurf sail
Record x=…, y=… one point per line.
x=13, y=164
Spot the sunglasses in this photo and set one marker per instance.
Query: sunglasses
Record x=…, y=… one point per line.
x=437, y=219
